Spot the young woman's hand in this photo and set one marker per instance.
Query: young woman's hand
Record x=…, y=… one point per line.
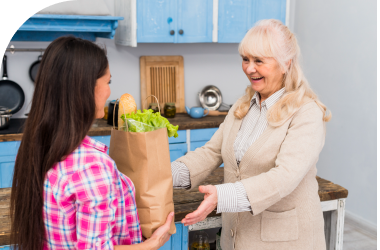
x=161, y=235
x=158, y=239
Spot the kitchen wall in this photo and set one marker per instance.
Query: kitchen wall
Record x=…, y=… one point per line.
x=338, y=42
x=204, y=64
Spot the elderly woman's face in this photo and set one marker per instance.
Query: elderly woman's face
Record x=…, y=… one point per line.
x=264, y=73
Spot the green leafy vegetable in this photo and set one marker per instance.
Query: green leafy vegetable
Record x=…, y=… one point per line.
x=148, y=121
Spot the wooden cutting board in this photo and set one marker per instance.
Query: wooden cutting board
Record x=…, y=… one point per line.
x=163, y=77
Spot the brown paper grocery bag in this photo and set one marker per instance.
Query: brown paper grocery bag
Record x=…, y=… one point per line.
x=144, y=157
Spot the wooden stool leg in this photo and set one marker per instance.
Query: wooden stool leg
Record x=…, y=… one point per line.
x=337, y=226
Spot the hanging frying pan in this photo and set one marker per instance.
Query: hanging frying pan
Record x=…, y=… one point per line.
x=11, y=94
x=34, y=69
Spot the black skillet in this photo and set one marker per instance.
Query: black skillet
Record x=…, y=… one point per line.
x=34, y=69
x=11, y=94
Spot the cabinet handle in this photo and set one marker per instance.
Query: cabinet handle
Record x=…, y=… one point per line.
x=180, y=32
x=172, y=32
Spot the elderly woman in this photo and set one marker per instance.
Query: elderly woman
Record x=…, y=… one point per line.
x=269, y=143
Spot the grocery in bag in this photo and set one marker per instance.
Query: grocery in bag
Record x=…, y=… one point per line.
x=140, y=149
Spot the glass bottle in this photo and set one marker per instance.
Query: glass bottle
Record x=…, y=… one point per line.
x=169, y=110
x=153, y=106
x=200, y=241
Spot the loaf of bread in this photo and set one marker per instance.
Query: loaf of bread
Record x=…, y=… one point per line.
x=127, y=105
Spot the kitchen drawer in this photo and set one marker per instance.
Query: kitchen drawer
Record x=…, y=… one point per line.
x=177, y=150
x=204, y=134
x=180, y=139
x=6, y=172
x=9, y=148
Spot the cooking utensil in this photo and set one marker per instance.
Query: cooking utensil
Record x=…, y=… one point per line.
x=5, y=117
x=34, y=69
x=11, y=94
x=210, y=97
x=4, y=121
x=216, y=113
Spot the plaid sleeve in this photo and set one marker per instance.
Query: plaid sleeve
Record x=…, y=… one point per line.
x=96, y=204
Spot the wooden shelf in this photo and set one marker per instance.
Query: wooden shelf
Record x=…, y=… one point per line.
x=46, y=28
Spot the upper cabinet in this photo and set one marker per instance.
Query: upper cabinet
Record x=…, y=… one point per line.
x=236, y=17
x=46, y=28
x=191, y=21
x=174, y=21
x=155, y=21
x=194, y=21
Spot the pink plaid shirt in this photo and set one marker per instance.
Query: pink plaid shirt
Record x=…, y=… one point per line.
x=88, y=203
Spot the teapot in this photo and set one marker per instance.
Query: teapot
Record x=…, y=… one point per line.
x=196, y=112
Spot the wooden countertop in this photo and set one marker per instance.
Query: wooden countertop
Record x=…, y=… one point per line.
x=184, y=201
x=101, y=128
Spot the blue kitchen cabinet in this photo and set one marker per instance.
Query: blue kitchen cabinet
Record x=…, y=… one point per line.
x=180, y=139
x=194, y=21
x=8, y=152
x=155, y=20
x=236, y=17
x=177, y=146
x=177, y=150
x=178, y=241
x=174, y=21
x=234, y=20
x=199, y=137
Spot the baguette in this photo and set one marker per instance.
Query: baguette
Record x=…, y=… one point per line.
x=127, y=105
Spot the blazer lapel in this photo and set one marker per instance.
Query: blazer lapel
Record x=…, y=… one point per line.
x=255, y=147
x=230, y=141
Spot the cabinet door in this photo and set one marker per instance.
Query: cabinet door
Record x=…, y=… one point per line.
x=155, y=20
x=177, y=150
x=236, y=17
x=269, y=9
x=195, y=21
x=179, y=240
x=234, y=20
x=8, y=152
x=7, y=166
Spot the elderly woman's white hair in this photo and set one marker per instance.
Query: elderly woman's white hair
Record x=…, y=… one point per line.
x=270, y=38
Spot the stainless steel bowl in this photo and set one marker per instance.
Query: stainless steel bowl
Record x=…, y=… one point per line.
x=4, y=121
x=210, y=97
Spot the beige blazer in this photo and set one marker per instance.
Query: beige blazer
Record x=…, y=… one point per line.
x=278, y=172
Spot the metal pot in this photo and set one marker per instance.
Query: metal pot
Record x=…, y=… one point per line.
x=4, y=121
x=5, y=116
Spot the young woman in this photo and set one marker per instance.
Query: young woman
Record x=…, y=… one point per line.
x=67, y=192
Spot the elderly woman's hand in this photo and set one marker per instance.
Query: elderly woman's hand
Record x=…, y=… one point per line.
x=207, y=206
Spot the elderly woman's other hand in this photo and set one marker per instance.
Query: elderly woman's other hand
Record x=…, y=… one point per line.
x=207, y=206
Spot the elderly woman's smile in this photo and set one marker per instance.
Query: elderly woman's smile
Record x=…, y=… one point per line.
x=265, y=74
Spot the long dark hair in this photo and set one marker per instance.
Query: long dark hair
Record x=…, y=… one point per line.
x=62, y=111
